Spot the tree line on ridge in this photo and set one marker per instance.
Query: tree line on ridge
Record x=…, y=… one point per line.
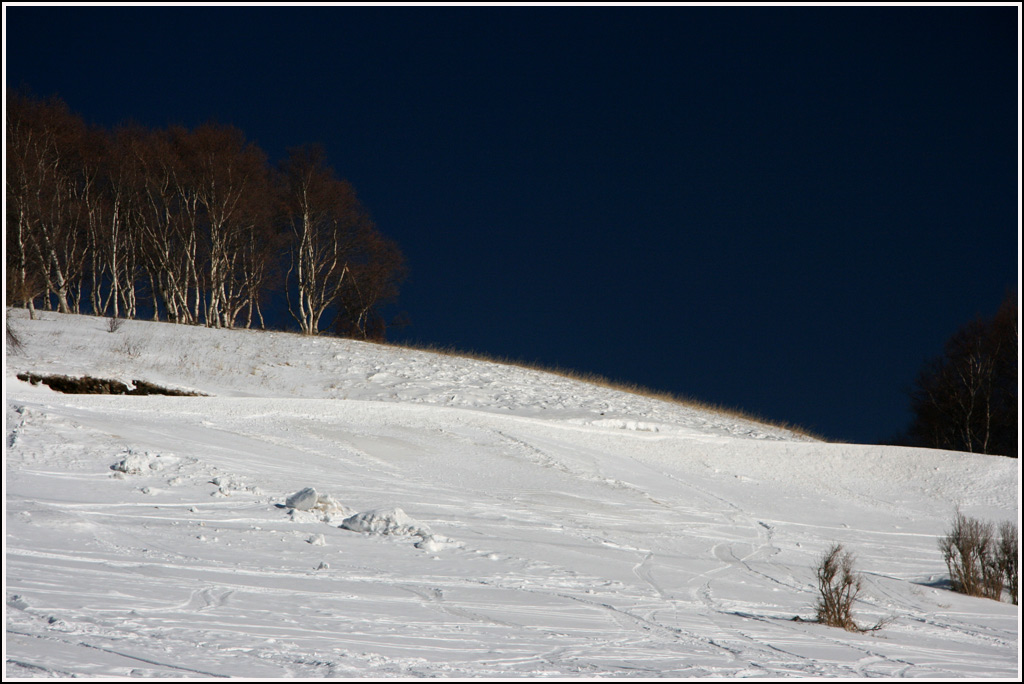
x=187, y=226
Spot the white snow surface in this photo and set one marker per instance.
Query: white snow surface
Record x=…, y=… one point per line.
x=511, y=523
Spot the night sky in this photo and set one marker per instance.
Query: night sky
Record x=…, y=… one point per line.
x=785, y=210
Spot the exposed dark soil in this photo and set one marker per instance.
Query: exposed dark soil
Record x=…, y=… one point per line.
x=88, y=385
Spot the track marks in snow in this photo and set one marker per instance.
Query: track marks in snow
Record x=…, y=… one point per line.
x=201, y=600
x=75, y=643
x=434, y=598
x=644, y=571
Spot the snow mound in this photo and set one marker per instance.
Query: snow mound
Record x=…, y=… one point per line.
x=395, y=521
x=386, y=521
x=308, y=499
x=135, y=463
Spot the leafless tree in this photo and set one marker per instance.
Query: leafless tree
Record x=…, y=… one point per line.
x=166, y=222
x=122, y=253
x=966, y=400
x=44, y=190
x=101, y=229
x=24, y=281
x=260, y=251
x=327, y=226
x=225, y=186
x=376, y=273
x=190, y=218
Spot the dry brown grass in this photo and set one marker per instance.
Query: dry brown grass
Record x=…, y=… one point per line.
x=14, y=344
x=129, y=348
x=602, y=381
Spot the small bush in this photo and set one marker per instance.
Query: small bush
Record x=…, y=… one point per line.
x=1006, y=557
x=838, y=586
x=973, y=558
x=114, y=324
x=131, y=347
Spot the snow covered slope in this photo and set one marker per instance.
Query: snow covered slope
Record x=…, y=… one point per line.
x=469, y=519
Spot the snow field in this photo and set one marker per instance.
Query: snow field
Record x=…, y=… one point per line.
x=469, y=520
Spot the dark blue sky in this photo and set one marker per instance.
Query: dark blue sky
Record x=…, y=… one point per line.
x=780, y=209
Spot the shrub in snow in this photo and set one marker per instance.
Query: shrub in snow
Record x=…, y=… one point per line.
x=978, y=563
x=969, y=551
x=385, y=521
x=838, y=587
x=1006, y=556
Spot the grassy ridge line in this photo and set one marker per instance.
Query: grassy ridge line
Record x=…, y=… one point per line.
x=568, y=373
x=607, y=383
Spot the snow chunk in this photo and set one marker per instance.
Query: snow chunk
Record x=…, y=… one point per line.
x=385, y=521
x=303, y=500
x=322, y=505
x=136, y=464
x=433, y=543
x=328, y=504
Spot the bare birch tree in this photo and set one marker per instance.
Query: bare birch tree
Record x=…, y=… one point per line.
x=24, y=273
x=166, y=224
x=122, y=257
x=191, y=218
x=326, y=224
x=46, y=197
x=226, y=180
x=376, y=273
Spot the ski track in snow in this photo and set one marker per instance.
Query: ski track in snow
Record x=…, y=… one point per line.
x=563, y=529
